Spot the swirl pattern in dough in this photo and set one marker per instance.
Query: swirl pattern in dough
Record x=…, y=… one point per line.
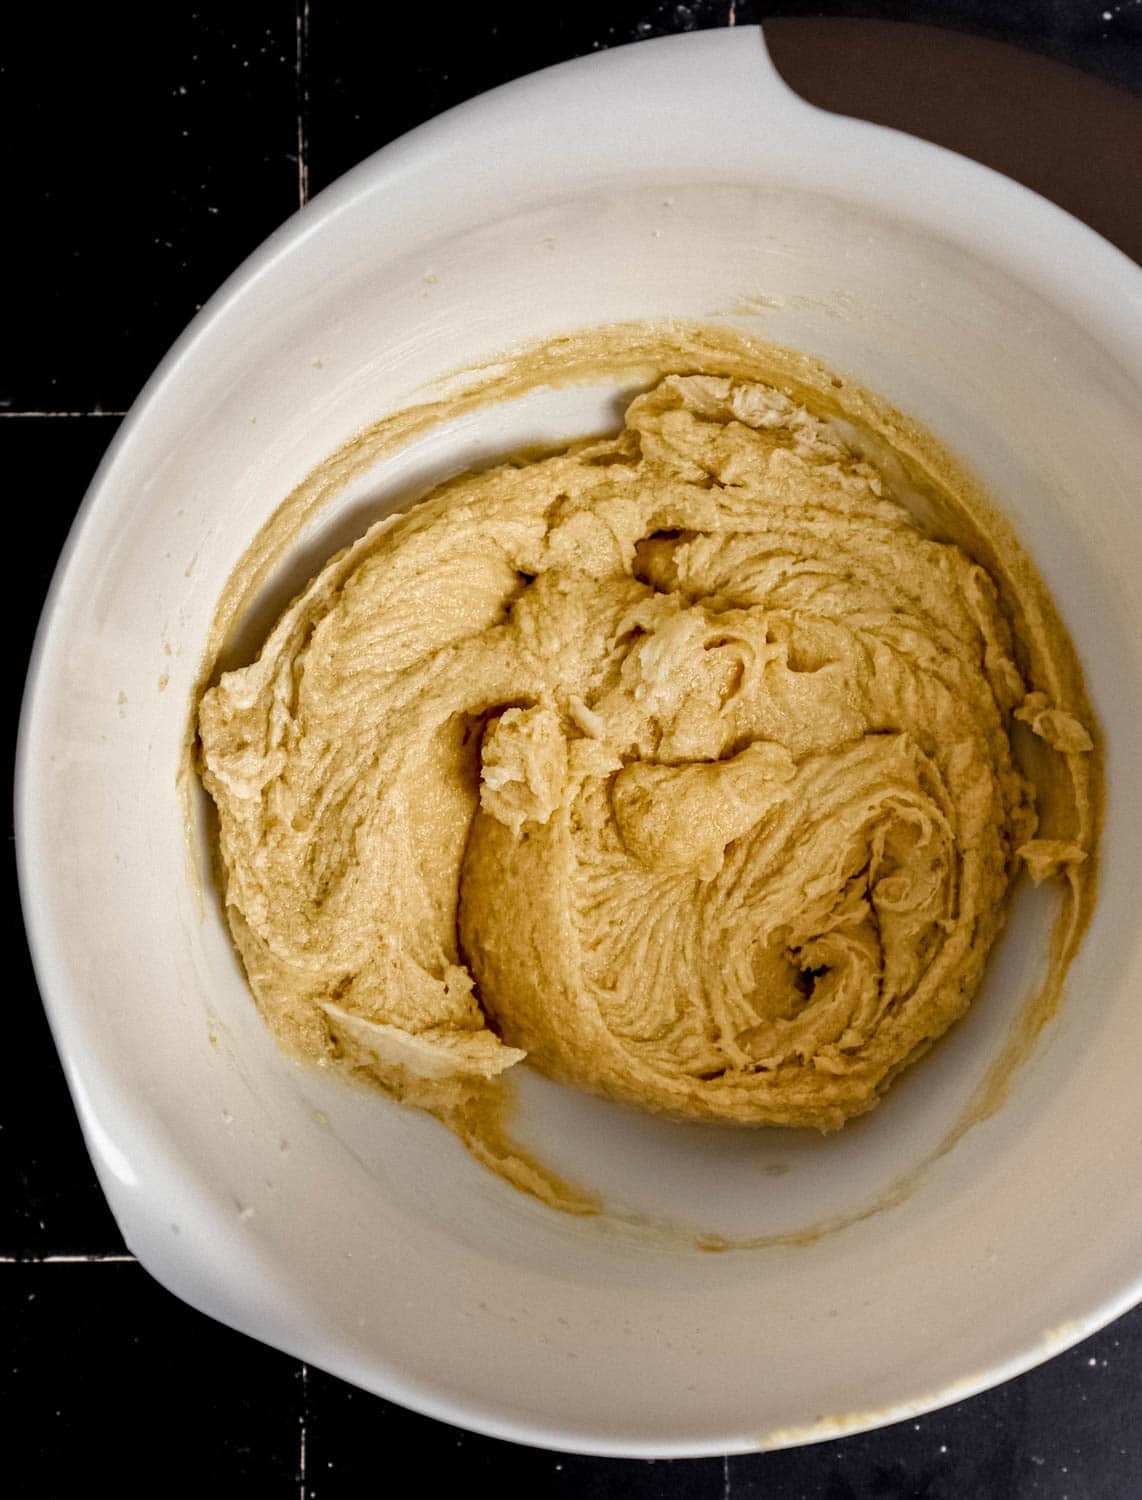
x=680, y=762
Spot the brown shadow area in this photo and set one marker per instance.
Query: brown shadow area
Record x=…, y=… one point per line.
x=1075, y=139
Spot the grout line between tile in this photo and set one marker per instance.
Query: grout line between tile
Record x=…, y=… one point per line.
x=301, y=64
x=99, y=412
x=303, y=1422
x=733, y=18
x=726, y=1457
x=67, y=1260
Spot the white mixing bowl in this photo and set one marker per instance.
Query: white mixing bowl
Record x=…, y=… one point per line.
x=674, y=178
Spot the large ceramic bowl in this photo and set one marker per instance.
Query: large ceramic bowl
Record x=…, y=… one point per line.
x=673, y=178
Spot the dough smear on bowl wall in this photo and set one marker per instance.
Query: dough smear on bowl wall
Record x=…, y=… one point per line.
x=694, y=764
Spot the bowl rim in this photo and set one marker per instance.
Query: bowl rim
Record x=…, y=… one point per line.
x=1048, y=243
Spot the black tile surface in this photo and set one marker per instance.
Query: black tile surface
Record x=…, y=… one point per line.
x=134, y=186
x=346, y=1429
x=147, y=153
x=124, y=1390
x=350, y=50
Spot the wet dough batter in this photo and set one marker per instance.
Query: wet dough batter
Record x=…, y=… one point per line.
x=679, y=763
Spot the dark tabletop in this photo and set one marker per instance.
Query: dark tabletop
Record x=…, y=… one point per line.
x=147, y=152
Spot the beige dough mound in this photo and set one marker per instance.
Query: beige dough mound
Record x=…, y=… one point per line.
x=680, y=763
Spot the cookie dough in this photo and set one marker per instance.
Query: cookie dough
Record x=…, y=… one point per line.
x=681, y=763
